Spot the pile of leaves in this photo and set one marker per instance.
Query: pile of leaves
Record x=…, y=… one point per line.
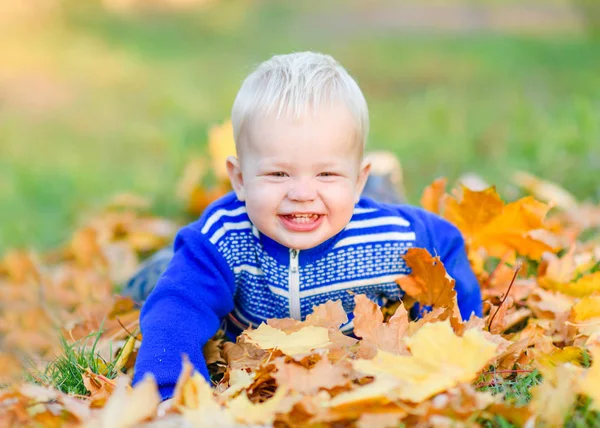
x=532, y=358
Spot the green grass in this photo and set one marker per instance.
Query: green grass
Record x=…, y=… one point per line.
x=142, y=91
x=65, y=373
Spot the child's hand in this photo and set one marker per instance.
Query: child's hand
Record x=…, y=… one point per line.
x=164, y=407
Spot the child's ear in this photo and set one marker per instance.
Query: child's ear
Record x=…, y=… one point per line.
x=363, y=174
x=235, y=176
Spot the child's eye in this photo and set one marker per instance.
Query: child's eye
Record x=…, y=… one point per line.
x=278, y=174
x=327, y=174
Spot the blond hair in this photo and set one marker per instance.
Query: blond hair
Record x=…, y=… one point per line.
x=295, y=83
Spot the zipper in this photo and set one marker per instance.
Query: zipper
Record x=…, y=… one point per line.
x=294, y=286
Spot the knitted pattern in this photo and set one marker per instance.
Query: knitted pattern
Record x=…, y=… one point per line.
x=224, y=266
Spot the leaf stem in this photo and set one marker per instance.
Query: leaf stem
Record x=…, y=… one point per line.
x=517, y=269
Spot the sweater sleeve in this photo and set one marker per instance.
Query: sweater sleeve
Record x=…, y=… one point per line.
x=184, y=310
x=447, y=242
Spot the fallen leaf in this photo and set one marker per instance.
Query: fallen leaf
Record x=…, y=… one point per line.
x=369, y=325
x=297, y=343
x=323, y=375
x=487, y=223
x=439, y=360
x=428, y=281
x=129, y=407
x=262, y=413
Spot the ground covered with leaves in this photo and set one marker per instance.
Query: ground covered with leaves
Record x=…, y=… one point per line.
x=69, y=341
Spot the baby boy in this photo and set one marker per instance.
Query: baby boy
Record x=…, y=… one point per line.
x=295, y=232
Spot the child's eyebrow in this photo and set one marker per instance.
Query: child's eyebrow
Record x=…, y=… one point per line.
x=327, y=164
x=273, y=163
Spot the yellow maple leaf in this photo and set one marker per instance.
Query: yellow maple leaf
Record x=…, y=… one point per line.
x=380, y=391
x=300, y=342
x=500, y=229
x=584, y=286
x=555, y=396
x=221, y=145
x=587, y=308
x=439, y=360
x=262, y=413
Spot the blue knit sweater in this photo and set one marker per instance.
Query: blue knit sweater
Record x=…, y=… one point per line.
x=224, y=269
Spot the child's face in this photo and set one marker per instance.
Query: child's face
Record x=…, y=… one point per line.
x=300, y=178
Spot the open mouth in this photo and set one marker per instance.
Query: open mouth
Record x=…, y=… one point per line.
x=301, y=222
x=302, y=218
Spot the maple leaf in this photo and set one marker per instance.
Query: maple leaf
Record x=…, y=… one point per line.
x=487, y=223
x=300, y=342
x=584, y=286
x=308, y=381
x=586, y=309
x=428, y=281
x=439, y=360
x=433, y=194
x=195, y=399
x=380, y=391
x=262, y=413
x=369, y=325
x=330, y=314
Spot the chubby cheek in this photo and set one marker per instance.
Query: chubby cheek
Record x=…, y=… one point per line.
x=262, y=203
x=339, y=201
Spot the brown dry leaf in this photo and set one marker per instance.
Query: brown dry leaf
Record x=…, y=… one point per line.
x=331, y=314
x=100, y=388
x=301, y=380
x=433, y=194
x=369, y=325
x=428, y=282
x=298, y=343
x=243, y=355
x=487, y=223
x=439, y=360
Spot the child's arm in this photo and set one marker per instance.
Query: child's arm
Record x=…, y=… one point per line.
x=184, y=310
x=447, y=242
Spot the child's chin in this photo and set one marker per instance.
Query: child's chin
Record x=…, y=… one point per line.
x=303, y=243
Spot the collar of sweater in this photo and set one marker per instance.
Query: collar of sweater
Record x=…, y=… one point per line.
x=282, y=254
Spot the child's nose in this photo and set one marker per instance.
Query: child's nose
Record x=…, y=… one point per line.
x=302, y=191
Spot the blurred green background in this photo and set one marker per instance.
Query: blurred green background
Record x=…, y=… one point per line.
x=99, y=97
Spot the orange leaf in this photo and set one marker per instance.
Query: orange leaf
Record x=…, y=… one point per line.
x=433, y=194
x=428, y=282
x=487, y=223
